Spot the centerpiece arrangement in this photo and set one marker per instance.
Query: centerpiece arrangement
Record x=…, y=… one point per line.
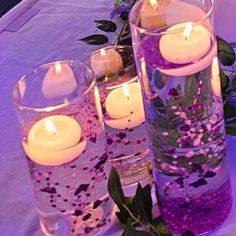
x=77, y=122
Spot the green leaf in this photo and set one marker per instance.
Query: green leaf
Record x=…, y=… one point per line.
x=233, y=82
x=229, y=110
x=191, y=86
x=125, y=41
x=231, y=130
x=124, y=218
x=134, y=232
x=123, y=215
x=226, y=53
x=115, y=189
x=95, y=39
x=160, y=79
x=142, y=203
x=224, y=80
x=158, y=104
x=160, y=225
x=106, y=25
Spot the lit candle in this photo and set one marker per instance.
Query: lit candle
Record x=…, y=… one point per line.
x=106, y=62
x=54, y=140
x=215, y=80
x=182, y=47
x=152, y=14
x=124, y=105
x=58, y=81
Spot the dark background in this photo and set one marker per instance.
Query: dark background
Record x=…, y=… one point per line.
x=6, y=5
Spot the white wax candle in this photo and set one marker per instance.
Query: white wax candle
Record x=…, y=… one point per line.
x=185, y=43
x=54, y=140
x=123, y=101
x=215, y=80
x=58, y=81
x=124, y=105
x=193, y=67
x=106, y=62
x=152, y=14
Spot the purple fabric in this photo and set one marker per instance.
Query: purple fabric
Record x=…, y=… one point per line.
x=52, y=35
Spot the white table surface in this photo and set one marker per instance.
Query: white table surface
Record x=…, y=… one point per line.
x=52, y=35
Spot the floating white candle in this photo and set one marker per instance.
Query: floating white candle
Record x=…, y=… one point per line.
x=152, y=14
x=59, y=81
x=193, y=67
x=106, y=62
x=54, y=140
x=182, y=47
x=123, y=101
x=124, y=105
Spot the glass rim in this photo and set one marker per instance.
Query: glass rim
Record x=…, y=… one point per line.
x=151, y=32
x=106, y=48
x=66, y=102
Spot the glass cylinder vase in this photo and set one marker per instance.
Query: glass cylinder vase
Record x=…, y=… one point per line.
x=123, y=112
x=176, y=57
x=64, y=142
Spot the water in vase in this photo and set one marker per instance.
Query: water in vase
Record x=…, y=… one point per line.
x=72, y=198
x=185, y=122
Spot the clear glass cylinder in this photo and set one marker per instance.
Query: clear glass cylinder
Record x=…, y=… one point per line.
x=64, y=142
x=123, y=112
x=176, y=57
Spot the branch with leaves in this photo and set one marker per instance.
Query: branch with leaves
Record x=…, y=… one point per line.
x=120, y=13
x=135, y=213
x=227, y=58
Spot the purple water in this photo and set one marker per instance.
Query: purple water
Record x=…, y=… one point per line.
x=199, y=214
x=186, y=127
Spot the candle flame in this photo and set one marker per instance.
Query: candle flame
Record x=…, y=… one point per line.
x=50, y=127
x=103, y=53
x=154, y=3
x=58, y=68
x=126, y=91
x=188, y=29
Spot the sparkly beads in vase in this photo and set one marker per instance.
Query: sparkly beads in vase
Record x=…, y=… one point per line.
x=123, y=112
x=176, y=60
x=64, y=141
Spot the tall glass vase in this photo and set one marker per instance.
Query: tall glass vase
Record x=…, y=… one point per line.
x=64, y=141
x=176, y=57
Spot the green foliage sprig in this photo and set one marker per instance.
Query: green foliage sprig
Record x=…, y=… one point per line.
x=120, y=12
x=135, y=212
x=227, y=59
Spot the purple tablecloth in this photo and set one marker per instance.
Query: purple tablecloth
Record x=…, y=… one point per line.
x=51, y=34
